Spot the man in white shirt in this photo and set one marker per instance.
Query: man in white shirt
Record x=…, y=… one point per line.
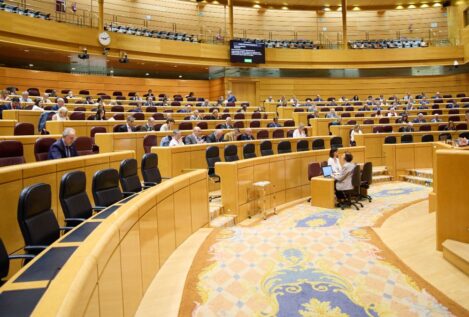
x=25, y=97
x=194, y=138
x=300, y=131
x=177, y=139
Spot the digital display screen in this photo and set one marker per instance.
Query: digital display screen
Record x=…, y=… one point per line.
x=247, y=52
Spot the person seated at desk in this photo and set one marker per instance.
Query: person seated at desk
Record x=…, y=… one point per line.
x=136, y=97
x=195, y=137
x=38, y=105
x=129, y=125
x=392, y=112
x=149, y=93
x=356, y=130
x=45, y=98
x=215, y=136
x=300, y=131
x=332, y=114
x=63, y=147
x=334, y=161
x=228, y=124
x=403, y=119
x=318, y=98
x=274, y=123
x=365, y=107
x=149, y=102
x=247, y=135
x=243, y=109
x=176, y=140
x=206, y=103
x=269, y=99
x=100, y=114
x=420, y=119
x=195, y=115
x=138, y=108
x=344, y=178
x=232, y=135
x=61, y=115
x=69, y=95
x=149, y=126
x=436, y=118
x=4, y=95
x=230, y=97
x=25, y=97
x=168, y=126
x=88, y=101
x=451, y=126
x=409, y=127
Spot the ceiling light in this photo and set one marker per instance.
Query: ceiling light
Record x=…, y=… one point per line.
x=73, y=68
x=284, y=8
x=147, y=74
x=256, y=6
x=180, y=76
x=424, y=5
x=339, y=8
x=27, y=51
x=399, y=7
x=215, y=2
x=327, y=9
x=436, y=4
x=31, y=65
x=411, y=6
x=111, y=71
x=356, y=9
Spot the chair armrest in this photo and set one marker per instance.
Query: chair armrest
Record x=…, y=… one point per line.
x=98, y=208
x=146, y=186
x=164, y=177
x=149, y=184
x=65, y=229
x=75, y=219
x=128, y=194
x=35, y=247
x=21, y=256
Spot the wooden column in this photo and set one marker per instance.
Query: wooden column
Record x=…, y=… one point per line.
x=101, y=15
x=230, y=20
x=344, y=24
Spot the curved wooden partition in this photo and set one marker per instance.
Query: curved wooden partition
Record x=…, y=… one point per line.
x=110, y=268
x=288, y=174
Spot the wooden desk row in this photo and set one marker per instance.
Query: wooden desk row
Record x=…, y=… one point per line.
x=28, y=142
x=174, y=109
x=320, y=126
x=399, y=158
x=7, y=127
x=173, y=161
x=14, y=178
x=344, y=130
x=109, y=261
x=287, y=173
x=373, y=142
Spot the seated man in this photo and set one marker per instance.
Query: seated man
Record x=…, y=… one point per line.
x=247, y=135
x=149, y=126
x=332, y=114
x=195, y=137
x=274, y=123
x=436, y=118
x=168, y=125
x=216, y=136
x=232, y=136
x=129, y=126
x=25, y=97
x=228, y=124
x=230, y=97
x=63, y=147
x=195, y=115
x=420, y=119
x=344, y=178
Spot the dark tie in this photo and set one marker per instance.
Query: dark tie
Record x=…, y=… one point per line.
x=67, y=151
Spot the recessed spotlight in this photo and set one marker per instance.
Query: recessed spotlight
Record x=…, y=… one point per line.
x=73, y=68
x=256, y=6
x=31, y=65
x=399, y=7
x=356, y=9
x=180, y=76
x=411, y=6
x=436, y=4
x=175, y=66
x=424, y=5
x=26, y=51
x=284, y=8
x=327, y=9
x=147, y=74
x=111, y=71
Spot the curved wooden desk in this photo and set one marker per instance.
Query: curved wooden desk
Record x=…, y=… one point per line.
x=104, y=266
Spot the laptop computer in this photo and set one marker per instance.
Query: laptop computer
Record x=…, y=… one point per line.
x=327, y=171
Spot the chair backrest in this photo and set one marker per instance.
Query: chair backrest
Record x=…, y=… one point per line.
x=77, y=115
x=255, y=124
x=390, y=139
x=425, y=127
x=118, y=127
x=148, y=142
x=302, y=145
x=84, y=92
x=249, y=151
x=384, y=120
x=289, y=123
x=186, y=125
x=262, y=134
x=444, y=136
x=149, y=168
x=378, y=129
x=367, y=173
x=318, y=144
x=117, y=109
x=464, y=135
x=138, y=116
x=73, y=197
x=407, y=138
x=24, y=128
x=356, y=178
x=336, y=142
x=387, y=129
x=239, y=116
x=84, y=145
x=427, y=138
x=284, y=147
x=105, y=187
x=41, y=148
x=202, y=125
x=35, y=217
x=368, y=121
x=461, y=126
x=128, y=176
x=81, y=109
x=11, y=153
x=278, y=134
x=266, y=148
x=119, y=116
x=231, y=153
x=314, y=170
x=4, y=262
x=95, y=130
x=158, y=116
x=239, y=124
x=256, y=115
x=212, y=155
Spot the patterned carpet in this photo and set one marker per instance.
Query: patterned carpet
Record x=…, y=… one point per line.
x=309, y=261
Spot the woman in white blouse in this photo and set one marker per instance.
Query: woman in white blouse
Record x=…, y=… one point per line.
x=356, y=130
x=334, y=161
x=61, y=115
x=300, y=131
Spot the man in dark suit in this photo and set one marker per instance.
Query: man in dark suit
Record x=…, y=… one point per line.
x=195, y=137
x=216, y=136
x=247, y=135
x=63, y=147
x=228, y=124
x=129, y=126
x=149, y=126
x=274, y=123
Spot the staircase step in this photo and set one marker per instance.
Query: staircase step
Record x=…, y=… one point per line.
x=381, y=178
x=422, y=172
x=223, y=221
x=457, y=253
x=380, y=170
x=417, y=180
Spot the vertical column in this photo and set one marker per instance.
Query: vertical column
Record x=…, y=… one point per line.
x=344, y=24
x=230, y=20
x=101, y=15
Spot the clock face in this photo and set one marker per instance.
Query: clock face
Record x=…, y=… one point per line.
x=104, y=39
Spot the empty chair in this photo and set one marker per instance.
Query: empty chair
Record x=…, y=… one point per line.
x=138, y=116
x=117, y=93
x=318, y=144
x=384, y=120
x=425, y=127
x=105, y=187
x=464, y=135
x=289, y=123
x=378, y=129
x=427, y=138
x=77, y=115
x=158, y=116
x=461, y=126
x=41, y=148
x=202, y=125
x=249, y=151
x=454, y=118
x=284, y=147
x=390, y=139
x=255, y=124
x=95, y=130
x=298, y=110
x=256, y=115
x=185, y=125
x=117, y=109
x=262, y=134
x=212, y=156
x=444, y=137
x=119, y=116
x=36, y=219
x=302, y=145
x=23, y=128
x=407, y=138
x=266, y=148
x=130, y=182
x=74, y=200
x=366, y=179
x=239, y=116
x=84, y=145
x=336, y=142
x=34, y=92
x=148, y=142
x=278, y=134
x=11, y=153
x=150, y=171
x=239, y=124
x=351, y=122
x=314, y=170
x=368, y=121
x=5, y=261
x=231, y=153
x=81, y=109
x=345, y=115
x=84, y=92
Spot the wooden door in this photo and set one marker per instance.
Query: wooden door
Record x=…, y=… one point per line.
x=245, y=91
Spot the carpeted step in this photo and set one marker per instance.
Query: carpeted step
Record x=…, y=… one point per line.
x=223, y=221
x=421, y=172
x=380, y=170
x=417, y=180
x=457, y=253
x=381, y=178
